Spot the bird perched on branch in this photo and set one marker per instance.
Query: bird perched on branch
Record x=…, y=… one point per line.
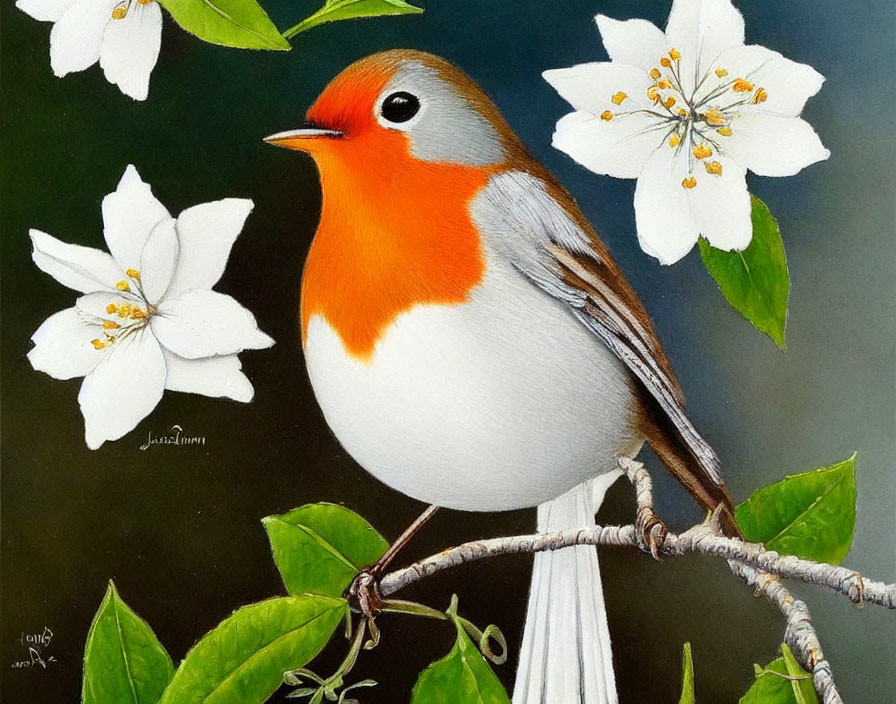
x=472, y=343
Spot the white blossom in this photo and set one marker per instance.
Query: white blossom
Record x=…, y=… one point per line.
x=147, y=319
x=123, y=35
x=687, y=112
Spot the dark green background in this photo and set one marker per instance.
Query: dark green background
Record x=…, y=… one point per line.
x=178, y=528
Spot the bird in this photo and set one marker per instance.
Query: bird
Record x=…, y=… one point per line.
x=472, y=343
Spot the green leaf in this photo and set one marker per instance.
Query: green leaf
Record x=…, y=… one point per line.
x=237, y=23
x=755, y=281
x=244, y=657
x=319, y=548
x=782, y=681
x=335, y=10
x=461, y=677
x=687, y=677
x=124, y=663
x=811, y=515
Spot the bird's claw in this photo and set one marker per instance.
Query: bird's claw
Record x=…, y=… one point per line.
x=651, y=532
x=363, y=594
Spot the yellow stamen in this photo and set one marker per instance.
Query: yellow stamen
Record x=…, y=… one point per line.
x=674, y=140
x=721, y=72
x=670, y=101
x=119, y=13
x=653, y=94
x=742, y=86
x=655, y=73
x=674, y=54
x=97, y=344
x=133, y=273
x=682, y=112
x=111, y=308
x=138, y=313
x=701, y=151
x=665, y=62
x=761, y=96
x=110, y=325
x=713, y=167
x=664, y=84
x=110, y=340
x=689, y=182
x=606, y=115
x=618, y=98
x=145, y=2
x=724, y=131
x=124, y=311
x=714, y=117
x=123, y=286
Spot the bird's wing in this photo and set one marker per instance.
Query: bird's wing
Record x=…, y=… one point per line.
x=549, y=241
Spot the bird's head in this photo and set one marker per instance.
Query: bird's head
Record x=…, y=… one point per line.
x=406, y=102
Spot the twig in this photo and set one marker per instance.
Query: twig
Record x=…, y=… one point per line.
x=760, y=568
x=698, y=540
x=799, y=632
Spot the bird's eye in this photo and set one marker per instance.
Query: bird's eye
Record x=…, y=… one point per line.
x=400, y=107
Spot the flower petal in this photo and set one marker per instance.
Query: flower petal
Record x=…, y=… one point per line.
x=591, y=86
x=634, y=42
x=130, y=48
x=618, y=147
x=769, y=145
x=666, y=226
x=204, y=323
x=62, y=345
x=209, y=376
x=701, y=30
x=721, y=205
x=787, y=84
x=129, y=216
x=45, y=10
x=76, y=38
x=158, y=259
x=207, y=233
x=81, y=268
x=123, y=389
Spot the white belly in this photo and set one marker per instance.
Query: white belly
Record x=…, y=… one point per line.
x=501, y=403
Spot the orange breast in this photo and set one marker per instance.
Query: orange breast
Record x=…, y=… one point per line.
x=395, y=232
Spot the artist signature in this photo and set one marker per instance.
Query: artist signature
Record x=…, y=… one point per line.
x=35, y=645
x=175, y=437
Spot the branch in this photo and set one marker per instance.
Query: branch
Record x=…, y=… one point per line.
x=698, y=539
x=760, y=568
x=799, y=632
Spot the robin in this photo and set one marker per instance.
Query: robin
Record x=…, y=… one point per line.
x=473, y=345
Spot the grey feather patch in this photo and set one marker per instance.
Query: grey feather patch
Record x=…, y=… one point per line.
x=523, y=224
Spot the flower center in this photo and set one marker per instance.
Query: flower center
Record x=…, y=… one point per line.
x=120, y=11
x=695, y=120
x=127, y=316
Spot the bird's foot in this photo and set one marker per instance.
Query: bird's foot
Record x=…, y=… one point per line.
x=651, y=532
x=363, y=594
x=650, y=529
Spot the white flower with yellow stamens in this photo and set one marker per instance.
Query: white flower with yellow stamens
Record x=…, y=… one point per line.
x=123, y=35
x=147, y=320
x=737, y=107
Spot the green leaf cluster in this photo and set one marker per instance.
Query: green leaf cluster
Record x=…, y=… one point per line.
x=756, y=281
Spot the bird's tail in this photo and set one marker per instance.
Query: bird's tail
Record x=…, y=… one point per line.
x=565, y=656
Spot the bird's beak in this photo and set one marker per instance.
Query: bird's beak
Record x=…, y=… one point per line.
x=298, y=139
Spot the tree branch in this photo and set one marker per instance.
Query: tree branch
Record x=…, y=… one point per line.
x=760, y=568
x=698, y=540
